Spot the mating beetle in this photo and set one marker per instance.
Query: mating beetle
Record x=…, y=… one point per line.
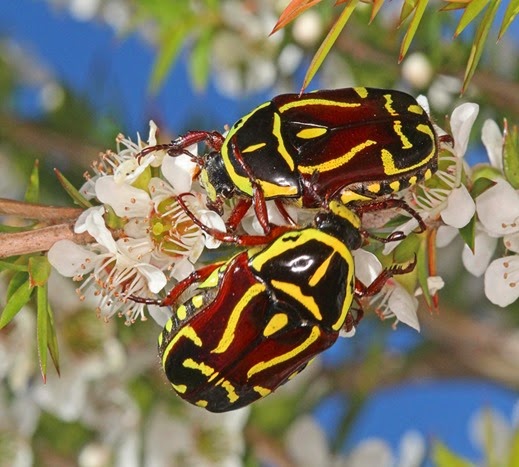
x=347, y=144
x=256, y=320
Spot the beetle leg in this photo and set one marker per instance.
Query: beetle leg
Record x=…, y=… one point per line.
x=375, y=287
x=258, y=196
x=228, y=237
x=174, y=294
x=238, y=212
x=284, y=213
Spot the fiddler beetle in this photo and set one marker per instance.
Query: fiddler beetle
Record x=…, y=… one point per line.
x=255, y=321
x=349, y=144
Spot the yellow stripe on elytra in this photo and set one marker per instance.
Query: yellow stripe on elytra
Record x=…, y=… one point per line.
x=397, y=126
x=231, y=392
x=181, y=312
x=337, y=162
x=161, y=339
x=320, y=271
x=296, y=293
x=282, y=150
x=389, y=162
x=349, y=196
x=180, y=388
x=253, y=147
x=362, y=92
x=277, y=322
x=415, y=109
x=395, y=186
x=262, y=366
x=262, y=391
x=232, y=322
x=374, y=187
x=189, y=333
x=206, y=370
x=201, y=403
x=340, y=210
x=412, y=180
x=311, y=133
x=388, y=105
x=316, y=101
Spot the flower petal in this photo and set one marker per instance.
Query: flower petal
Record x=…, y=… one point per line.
x=155, y=277
x=367, y=266
x=462, y=119
x=493, y=141
x=70, y=259
x=446, y=234
x=476, y=263
x=404, y=306
x=512, y=242
x=213, y=220
x=498, y=209
x=126, y=200
x=501, y=287
x=93, y=222
x=160, y=314
x=179, y=172
x=460, y=208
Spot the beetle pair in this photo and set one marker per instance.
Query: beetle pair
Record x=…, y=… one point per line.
x=257, y=319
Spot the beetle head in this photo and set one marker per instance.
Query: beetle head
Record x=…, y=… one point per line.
x=216, y=181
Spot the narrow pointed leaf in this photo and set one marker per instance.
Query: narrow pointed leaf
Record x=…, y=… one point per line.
x=479, y=42
x=513, y=455
x=452, y=6
x=7, y=266
x=422, y=268
x=16, y=281
x=292, y=11
x=407, y=8
x=39, y=270
x=32, y=193
x=443, y=457
x=511, y=155
x=413, y=26
x=473, y=9
x=72, y=191
x=42, y=321
x=511, y=12
x=169, y=49
x=15, y=303
x=200, y=59
x=468, y=233
x=377, y=5
x=52, y=339
x=328, y=42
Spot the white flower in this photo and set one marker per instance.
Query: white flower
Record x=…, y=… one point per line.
x=493, y=141
x=502, y=280
x=195, y=437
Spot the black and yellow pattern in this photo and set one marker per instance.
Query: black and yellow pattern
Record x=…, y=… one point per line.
x=258, y=319
x=355, y=142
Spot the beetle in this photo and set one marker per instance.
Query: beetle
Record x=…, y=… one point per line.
x=256, y=320
x=350, y=144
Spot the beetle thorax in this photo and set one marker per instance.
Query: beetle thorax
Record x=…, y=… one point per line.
x=215, y=179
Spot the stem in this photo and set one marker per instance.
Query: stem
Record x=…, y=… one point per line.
x=33, y=241
x=39, y=212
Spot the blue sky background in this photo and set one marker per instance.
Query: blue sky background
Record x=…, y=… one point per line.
x=109, y=70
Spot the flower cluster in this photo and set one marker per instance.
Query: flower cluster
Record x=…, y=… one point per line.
x=156, y=240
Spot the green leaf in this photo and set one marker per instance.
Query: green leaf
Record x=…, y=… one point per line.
x=413, y=26
x=444, y=457
x=377, y=5
x=452, y=6
x=468, y=233
x=200, y=59
x=511, y=155
x=71, y=190
x=16, y=281
x=513, y=454
x=39, y=270
x=169, y=49
x=481, y=185
x=15, y=303
x=32, y=193
x=473, y=8
x=407, y=8
x=511, y=12
x=52, y=339
x=7, y=266
x=479, y=42
x=328, y=42
x=422, y=268
x=42, y=321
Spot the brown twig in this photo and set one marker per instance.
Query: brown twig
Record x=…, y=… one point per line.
x=33, y=241
x=41, y=212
